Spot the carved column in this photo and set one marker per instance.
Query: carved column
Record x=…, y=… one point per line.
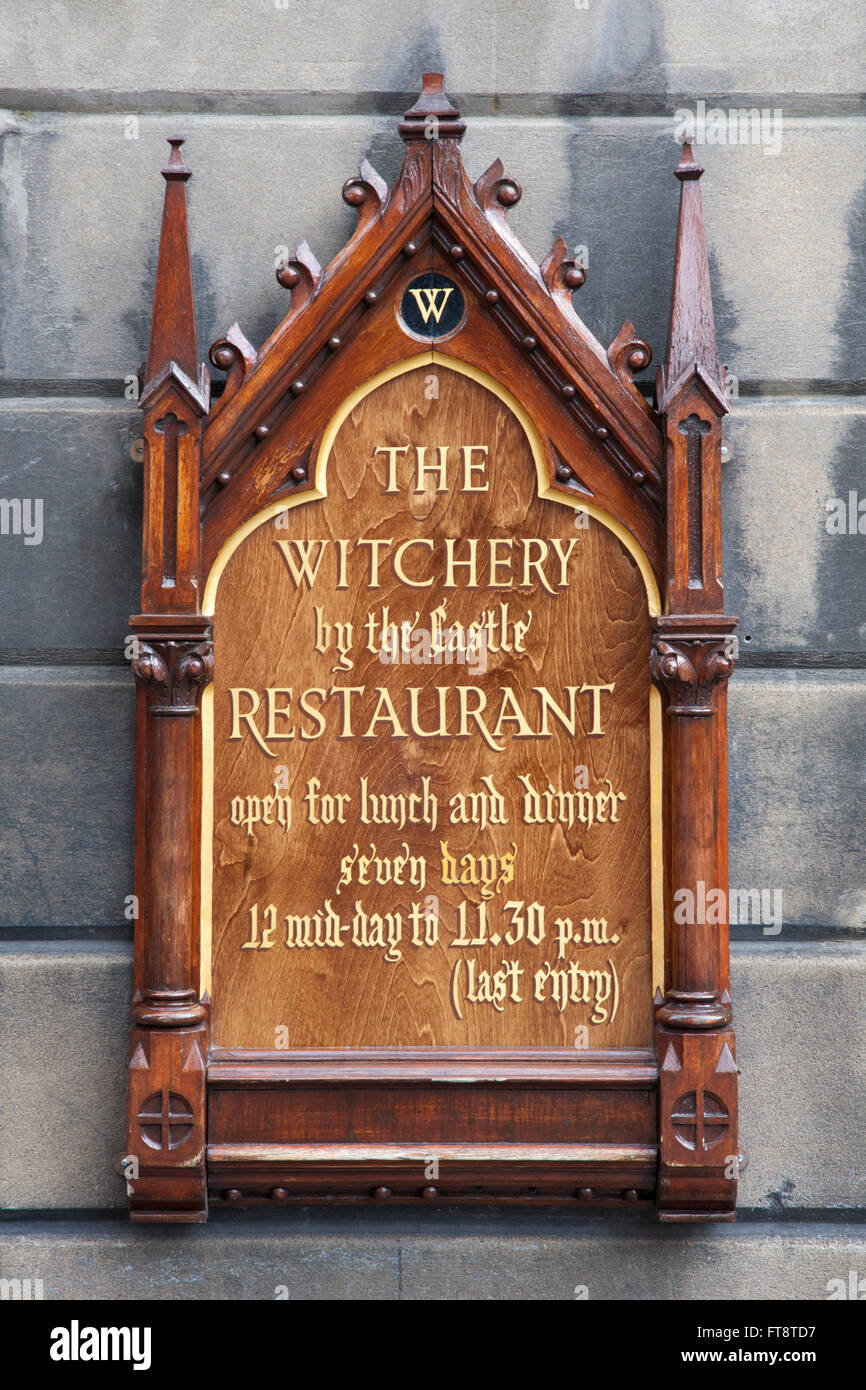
x=691, y=661
x=172, y=663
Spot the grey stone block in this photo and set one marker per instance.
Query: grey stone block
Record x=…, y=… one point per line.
x=443, y=1256
x=801, y=1083
x=63, y=1015
x=79, y=272
x=796, y=786
x=651, y=1264
x=795, y=584
x=66, y=796
x=76, y=588
x=802, y=1080
x=632, y=47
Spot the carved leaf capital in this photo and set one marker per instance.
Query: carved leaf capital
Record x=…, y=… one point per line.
x=174, y=672
x=689, y=668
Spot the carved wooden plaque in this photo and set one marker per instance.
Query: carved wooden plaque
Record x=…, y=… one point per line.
x=431, y=747
x=431, y=662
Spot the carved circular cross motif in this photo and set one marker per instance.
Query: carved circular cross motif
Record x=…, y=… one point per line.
x=165, y=1120
x=432, y=306
x=700, y=1120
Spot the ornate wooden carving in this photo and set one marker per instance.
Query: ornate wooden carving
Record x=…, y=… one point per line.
x=617, y=1125
x=173, y=671
x=166, y=1124
x=692, y=660
x=235, y=356
x=689, y=665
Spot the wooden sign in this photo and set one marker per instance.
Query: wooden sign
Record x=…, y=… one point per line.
x=431, y=746
x=431, y=666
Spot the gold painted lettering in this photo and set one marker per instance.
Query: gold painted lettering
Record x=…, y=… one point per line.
x=398, y=563
x=451, y=564
x=392, y=450
x=470, y=467
x=299, y=560
x=235, y=693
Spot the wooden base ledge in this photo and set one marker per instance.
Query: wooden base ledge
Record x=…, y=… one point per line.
x=625, y=1068
x=281, y=1173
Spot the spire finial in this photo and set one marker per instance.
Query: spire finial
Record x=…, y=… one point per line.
x=692, y=333
x=176, y=167
x=172, y=333
x=433, y=117
x=688, y=167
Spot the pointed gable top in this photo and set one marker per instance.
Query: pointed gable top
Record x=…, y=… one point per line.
x=262, y=436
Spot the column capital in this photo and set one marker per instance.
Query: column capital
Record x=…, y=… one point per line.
x=690, y=658
x=173, y=662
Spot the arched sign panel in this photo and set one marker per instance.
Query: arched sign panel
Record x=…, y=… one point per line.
x=431, y=672
x=431, y=724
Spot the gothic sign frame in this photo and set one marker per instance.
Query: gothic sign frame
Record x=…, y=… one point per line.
x=639, y=1125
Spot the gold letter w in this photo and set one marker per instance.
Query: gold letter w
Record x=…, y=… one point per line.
x=432, y=297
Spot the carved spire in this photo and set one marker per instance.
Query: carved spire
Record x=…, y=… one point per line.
x=432, y=117
x=692, y=334
x=172, y=334
x=174, y=401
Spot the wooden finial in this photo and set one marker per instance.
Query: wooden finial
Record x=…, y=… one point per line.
x=172, y=333
x=688, y=167
x=692, y=333
x=433, y=117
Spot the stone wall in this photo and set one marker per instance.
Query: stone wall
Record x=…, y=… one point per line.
x=279, y=104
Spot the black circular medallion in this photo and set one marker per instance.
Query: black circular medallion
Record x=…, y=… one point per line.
x=432, y=306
